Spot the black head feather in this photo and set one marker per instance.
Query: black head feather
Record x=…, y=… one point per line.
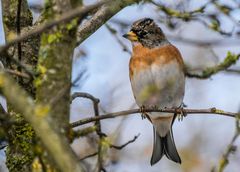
x=148, y=33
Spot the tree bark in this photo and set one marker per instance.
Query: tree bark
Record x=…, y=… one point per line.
x=20, y=151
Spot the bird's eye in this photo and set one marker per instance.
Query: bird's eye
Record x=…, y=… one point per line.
x=142, y=33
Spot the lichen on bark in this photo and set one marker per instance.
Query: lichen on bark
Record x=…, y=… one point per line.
x=54, y=66
x=20, y=152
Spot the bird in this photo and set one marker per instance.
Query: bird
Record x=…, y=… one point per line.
x=157, y=77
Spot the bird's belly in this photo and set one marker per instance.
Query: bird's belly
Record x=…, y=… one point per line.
x=160, y=85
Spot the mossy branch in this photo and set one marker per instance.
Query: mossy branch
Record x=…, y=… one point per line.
x=84, y=131
x=38, y=116
x=231, y=148
x=208, y=72
x=100, y=17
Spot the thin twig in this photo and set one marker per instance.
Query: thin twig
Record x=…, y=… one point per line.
x=236, y=71
x=204, y=43
x=63, y=91
x=95, y=102
x=84, y=95
x=113, y=146
x=231, y=148
x=17, y=73
x=125, y=144
x=195, y=15
x=88, y=156
x=154, y=109
x=19, y=64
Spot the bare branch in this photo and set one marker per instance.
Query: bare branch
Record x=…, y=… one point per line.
x=234, y=71
x=84, y=95
x=154, y=109
x=125, y=144
x=113, y=146
x=88, y=156
x=97, y=125
x=204, y=43
x=20, y=65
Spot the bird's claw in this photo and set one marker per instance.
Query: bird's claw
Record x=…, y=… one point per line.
x=182, y=114
x=155, y=107
x=143, y=112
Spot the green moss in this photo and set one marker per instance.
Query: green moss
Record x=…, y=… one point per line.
x=54, y=37
x=20, y=152
x=230, y=59
x=48, y=12
x=72, y=24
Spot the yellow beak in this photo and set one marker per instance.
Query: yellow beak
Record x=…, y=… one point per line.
x=131, y=36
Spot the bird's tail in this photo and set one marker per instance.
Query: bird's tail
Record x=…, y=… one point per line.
x=164, y=146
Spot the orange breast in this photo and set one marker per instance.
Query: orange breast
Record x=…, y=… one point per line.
x=143, y=57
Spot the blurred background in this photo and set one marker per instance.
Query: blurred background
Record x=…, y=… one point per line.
x=102, y=62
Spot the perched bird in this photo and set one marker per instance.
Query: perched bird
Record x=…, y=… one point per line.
x=157, y=79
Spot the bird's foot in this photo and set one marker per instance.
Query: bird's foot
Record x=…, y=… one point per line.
x=143, y=112
x=155, y=107
x=182, y=113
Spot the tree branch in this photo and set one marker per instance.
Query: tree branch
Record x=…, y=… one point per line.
x=84, y=131
x=101, y=17
x=97, y=124
x=17, y=73
x=125, y=144
x=38, y=116
x=228, y=61
x=189, y=41
x=231, y=148
x=79, y=12
x=113, y=146
x=154, y=109
x=18, y=26
x=84, y=95
x=204, y=43
x=88, y=156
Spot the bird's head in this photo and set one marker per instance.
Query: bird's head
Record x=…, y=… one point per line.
x=146, y=32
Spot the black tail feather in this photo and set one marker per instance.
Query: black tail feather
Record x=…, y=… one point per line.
x=164, y=146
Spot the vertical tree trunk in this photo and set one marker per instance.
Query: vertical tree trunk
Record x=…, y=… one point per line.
x=55, y=66
x=20, y=151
